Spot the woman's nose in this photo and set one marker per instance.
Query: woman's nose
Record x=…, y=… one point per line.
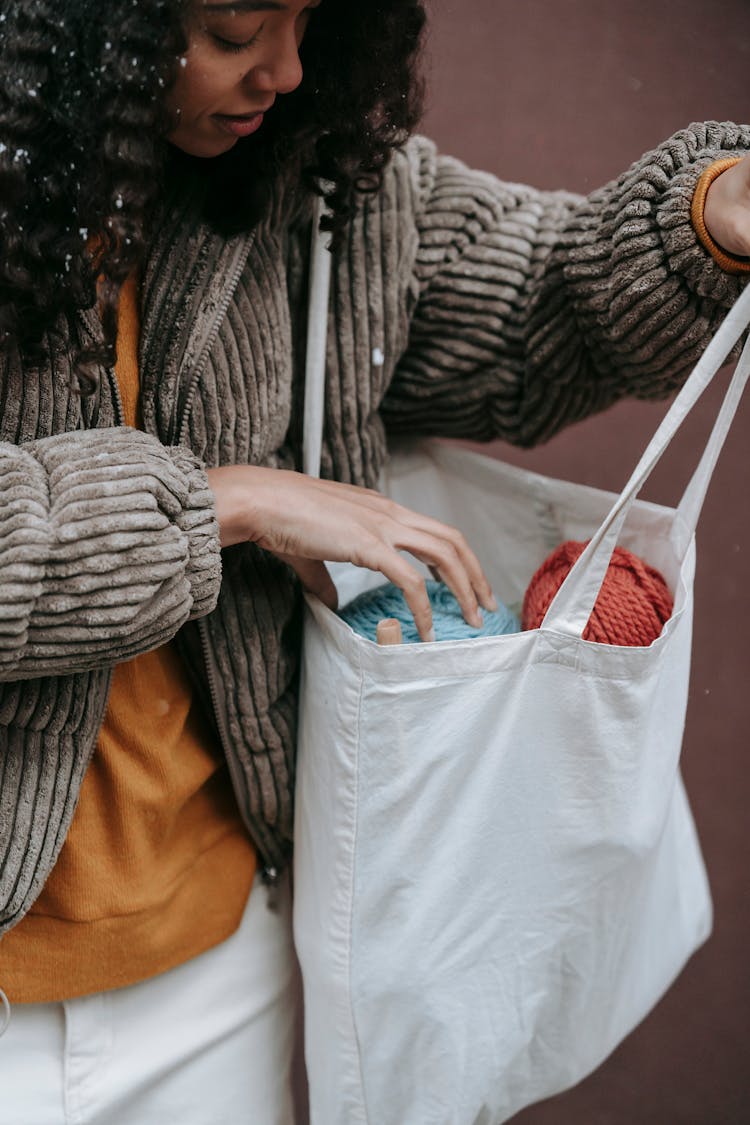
x=280, y=71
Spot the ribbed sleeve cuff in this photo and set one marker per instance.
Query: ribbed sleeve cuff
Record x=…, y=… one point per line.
x=110, y=543
x=728, y=262
x=682, y=161
x=199, y=523
x=24, y=545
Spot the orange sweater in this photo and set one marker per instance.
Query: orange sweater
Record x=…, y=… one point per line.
x=157, y=866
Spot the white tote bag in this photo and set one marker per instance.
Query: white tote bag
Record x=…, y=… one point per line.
x=496, y=870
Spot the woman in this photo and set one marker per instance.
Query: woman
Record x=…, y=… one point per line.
x=157, y=165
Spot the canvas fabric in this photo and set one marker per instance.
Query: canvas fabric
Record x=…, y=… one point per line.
x=497, y=870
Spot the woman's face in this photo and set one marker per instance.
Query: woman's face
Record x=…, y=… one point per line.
x=241, y=55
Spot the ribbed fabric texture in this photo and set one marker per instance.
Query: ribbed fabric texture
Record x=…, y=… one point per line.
x=156, y=867
x=113, y=544
x=556, y=306
x=460, y=306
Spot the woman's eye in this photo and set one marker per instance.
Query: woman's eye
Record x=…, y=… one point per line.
x=232, y=45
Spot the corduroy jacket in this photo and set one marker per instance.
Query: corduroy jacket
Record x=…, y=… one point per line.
x=461, y=306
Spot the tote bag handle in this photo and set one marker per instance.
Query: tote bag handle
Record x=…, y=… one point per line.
x=317, y=336
x=572, y=606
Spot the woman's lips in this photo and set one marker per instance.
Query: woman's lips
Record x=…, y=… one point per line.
x=239, y=126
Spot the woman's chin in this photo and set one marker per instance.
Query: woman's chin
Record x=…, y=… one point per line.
x=194, y=144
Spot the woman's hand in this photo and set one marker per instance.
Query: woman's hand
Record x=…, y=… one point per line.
x=727, y=210
x=306, y=521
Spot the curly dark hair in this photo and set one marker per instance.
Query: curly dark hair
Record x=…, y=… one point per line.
x=83, y=151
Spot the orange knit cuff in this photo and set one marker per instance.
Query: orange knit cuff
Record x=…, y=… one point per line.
x=728, y=262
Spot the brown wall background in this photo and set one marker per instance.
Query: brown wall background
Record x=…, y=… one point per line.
x=566, y=93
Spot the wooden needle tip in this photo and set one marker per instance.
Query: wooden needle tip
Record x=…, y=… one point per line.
x=389, y=631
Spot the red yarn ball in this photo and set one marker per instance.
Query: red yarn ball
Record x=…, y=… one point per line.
x=633, y=604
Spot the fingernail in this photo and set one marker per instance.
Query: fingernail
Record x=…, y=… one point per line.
x=493, y=603
x=431, y=636
x=477, y=620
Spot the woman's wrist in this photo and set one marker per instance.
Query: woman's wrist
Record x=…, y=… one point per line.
x=234, y=499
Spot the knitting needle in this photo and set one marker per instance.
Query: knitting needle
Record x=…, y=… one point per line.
x=389, y=631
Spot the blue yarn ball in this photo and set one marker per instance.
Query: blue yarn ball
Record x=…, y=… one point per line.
x=364, y=612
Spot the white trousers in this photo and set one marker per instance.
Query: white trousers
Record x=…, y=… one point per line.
x=208, y=1043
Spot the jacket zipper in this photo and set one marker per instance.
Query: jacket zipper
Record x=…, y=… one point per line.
x=270, y=872
x=91, y=324
x=207, y=343
x=116, y=396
